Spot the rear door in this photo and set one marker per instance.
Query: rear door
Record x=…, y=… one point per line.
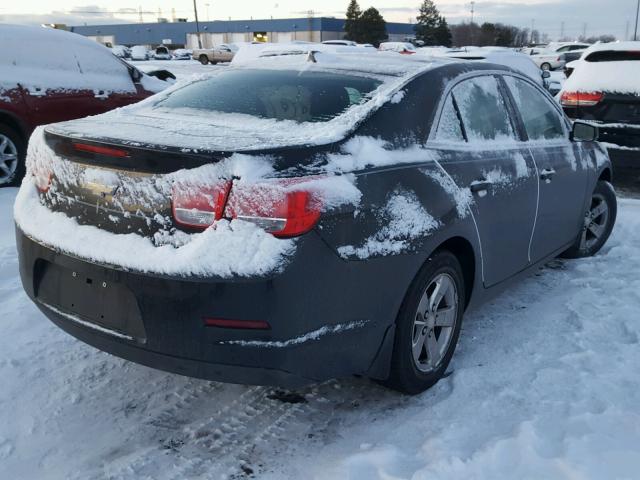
x=486, y=159
x=563, y=177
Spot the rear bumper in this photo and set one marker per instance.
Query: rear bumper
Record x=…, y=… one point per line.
x=329, y=318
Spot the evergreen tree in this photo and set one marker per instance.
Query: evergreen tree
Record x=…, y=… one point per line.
x=428, y=19
x=373, y=28
x=351, y=25
x=442, y=33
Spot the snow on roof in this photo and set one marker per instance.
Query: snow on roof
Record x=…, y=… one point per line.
x=615, y=76
x=216, y=131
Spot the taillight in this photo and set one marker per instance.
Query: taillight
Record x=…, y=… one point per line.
x=199, y=206
x=42, y=177
x=281, y=207
x=102, y=150
x=581, y=99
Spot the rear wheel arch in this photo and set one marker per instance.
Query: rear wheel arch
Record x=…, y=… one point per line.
x=15, y=124
x=605, y=175
x=464, y=252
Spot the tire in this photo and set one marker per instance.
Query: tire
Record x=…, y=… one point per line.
x=204, y=60
x=12, y=157
x=546, y=67
x=413, y=368
x=598, y=222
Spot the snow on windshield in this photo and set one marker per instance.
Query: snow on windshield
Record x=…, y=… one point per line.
x=50, y=59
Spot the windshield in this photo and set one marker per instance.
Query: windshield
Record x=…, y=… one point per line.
x=281, y=95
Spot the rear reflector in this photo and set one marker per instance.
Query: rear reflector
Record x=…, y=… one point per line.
x=241, y=324
x=109, y=151
x=580, y=99
x=199, y=206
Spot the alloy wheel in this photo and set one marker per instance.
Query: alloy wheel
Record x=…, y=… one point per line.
x=595, y=222
x=8, y=159
x=434, y=323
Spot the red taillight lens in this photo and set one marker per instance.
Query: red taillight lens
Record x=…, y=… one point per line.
x=42, y=177
x=277, y=206
x=102, y=150
x=199, y=206
x=580, y=99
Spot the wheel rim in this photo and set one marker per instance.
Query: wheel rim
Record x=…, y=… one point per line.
x=434, y=323
x=8, y=158
x=546, y=67
x=595, y=222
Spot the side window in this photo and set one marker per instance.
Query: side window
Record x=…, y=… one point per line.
x=541, y=120
x=483, y=110
x=449, y=128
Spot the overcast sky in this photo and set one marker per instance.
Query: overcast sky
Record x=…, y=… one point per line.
x=597, y=17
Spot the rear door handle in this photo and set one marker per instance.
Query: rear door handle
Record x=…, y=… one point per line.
x=480, y=186
x=36, y=91
x=101, y=94
x=547, y=174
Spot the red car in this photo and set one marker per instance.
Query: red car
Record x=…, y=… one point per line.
x=49, y=76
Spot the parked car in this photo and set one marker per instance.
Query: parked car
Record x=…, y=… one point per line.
x=345, y=43
x=515, y=60
x=404, y=48
x=371, y=205
x=162, y=53
x=604, y=90
x=222, y=53
x=139, y=53
x=71, y=77
x=549, y=59
x=121, y=51
x=567, y=58
x=182, y=54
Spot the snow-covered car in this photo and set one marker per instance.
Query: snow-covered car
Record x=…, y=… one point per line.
x=515, y=60
x=121, y=51
x=604, y=89
x=222, y=53
x=72, y=77
x=255, y=225
x=139, y=52
x=344, y=43
x=162, y=53
x=566, y=60
x=182, y=54
x=549, y=59
x=404, y=48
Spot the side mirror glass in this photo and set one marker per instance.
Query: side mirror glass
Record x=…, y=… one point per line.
x=584, y=132
x=136, y=75
x=546, y=74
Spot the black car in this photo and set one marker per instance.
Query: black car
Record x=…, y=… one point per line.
x=604, y=90
x=306, y=217
x=568, y=57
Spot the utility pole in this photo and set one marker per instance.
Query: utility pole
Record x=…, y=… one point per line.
x=195, y=11
x=473, y=5
x=207, y=5
x=584, y=31
x=635, y=35
x=140, y=12
x=561, y=31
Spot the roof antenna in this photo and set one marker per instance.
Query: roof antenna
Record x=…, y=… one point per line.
x=311, y=57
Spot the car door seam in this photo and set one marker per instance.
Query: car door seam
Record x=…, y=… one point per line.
x=535, y=219
x=444, y=171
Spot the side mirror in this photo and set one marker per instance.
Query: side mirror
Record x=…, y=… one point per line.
x=546, y=74
x=584, y=132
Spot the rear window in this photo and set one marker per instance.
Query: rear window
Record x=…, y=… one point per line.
x=613, y=56
x=280, y=95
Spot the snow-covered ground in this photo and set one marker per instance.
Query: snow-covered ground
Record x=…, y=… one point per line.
x=544, y=384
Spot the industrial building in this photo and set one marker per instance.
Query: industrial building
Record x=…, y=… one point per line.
x=184, y=34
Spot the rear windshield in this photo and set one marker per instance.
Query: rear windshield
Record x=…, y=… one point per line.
x=280, y=95
x=613, y=56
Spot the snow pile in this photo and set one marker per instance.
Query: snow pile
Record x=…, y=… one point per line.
x=403, y=219
x=612, y=77
x=227, y=248
x=49, y=59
